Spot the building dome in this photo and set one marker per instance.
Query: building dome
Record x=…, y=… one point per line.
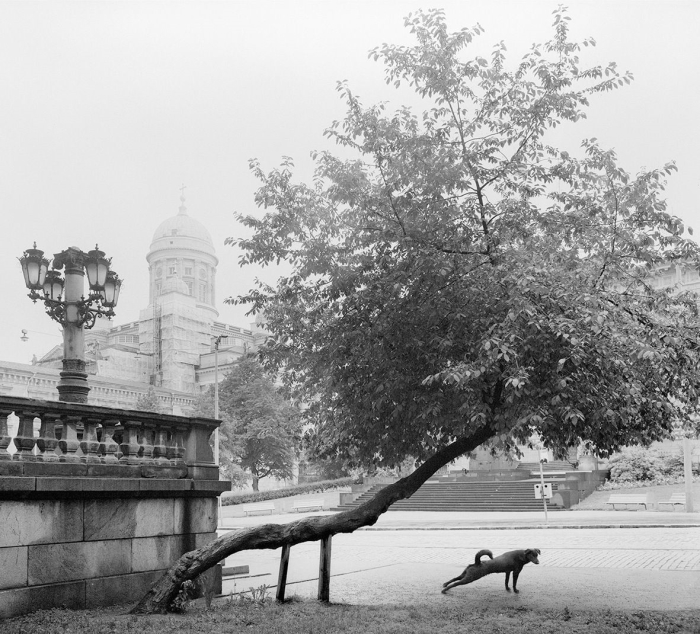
x=182, y=259
x=182, y=232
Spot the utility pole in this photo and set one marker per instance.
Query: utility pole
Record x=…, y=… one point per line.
x=687, y=474
x=544, y=498
x=217, y=341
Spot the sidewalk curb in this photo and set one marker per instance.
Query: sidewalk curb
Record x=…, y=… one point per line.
x=518, y=528
x=498, y=527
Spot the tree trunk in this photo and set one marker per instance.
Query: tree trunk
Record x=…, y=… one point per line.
x=158, y=599
x=256, y=483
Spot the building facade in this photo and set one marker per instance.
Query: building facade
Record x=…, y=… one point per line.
x=169, y=348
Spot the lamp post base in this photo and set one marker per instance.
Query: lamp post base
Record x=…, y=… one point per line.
x=73, y=386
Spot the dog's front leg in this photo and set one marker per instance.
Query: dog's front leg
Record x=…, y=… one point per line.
x=508, y=579
x=516, y=574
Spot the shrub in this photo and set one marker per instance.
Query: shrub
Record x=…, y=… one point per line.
x=629, y=484
x=311, y=487
x=672, y=464
x=635, y=464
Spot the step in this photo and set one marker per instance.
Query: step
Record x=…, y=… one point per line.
x=494, y=496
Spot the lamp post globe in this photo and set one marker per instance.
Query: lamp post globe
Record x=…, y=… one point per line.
x=65, y=302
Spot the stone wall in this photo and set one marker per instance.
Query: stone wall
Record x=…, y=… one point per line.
x=90, y=552
x=576, y=486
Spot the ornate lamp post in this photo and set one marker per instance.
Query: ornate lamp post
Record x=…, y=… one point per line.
x=65, y=302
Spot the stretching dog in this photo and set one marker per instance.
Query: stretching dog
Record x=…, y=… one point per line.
x=512, y=561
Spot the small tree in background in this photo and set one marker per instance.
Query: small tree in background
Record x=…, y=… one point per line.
x=149, y=402
x=259, y=433
x=265, y=425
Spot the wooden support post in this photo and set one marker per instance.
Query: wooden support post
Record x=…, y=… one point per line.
x=282, y=578
x=324, y=570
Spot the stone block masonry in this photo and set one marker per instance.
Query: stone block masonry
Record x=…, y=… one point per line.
x=98, y=525
x=83, y=553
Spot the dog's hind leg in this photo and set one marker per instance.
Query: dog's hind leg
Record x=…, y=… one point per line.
x=472, y=573
x=460, y=581
x=447, y=583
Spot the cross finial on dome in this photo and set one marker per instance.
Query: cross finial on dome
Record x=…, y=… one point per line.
x=183, y=209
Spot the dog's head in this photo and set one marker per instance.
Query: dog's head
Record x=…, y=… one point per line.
x=531, y=555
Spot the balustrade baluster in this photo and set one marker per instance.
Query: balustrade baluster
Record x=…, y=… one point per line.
x=109, y=449
x=130, y=445
x=90, y=444
x=147, y=443
x=160, y=452
x=69, y=443
x=175, y=449
x=47, y=441
x=25, y=441
x=170, y=444
x=5, y=437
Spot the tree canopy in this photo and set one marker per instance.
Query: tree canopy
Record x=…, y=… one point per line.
x=461, y=281
x=461, y=273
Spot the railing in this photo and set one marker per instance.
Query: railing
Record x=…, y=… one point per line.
x=108, y=442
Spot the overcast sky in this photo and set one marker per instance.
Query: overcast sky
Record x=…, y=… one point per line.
x=109, y=107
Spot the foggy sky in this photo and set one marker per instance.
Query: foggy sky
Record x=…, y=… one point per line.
x=108, y=108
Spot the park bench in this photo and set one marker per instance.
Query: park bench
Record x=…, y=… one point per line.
x=676, y=498
x=627, y=498
x=307, y=505
x=260, y=508
x=234, y=571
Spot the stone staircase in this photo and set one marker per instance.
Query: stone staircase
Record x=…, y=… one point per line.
x=472, y=497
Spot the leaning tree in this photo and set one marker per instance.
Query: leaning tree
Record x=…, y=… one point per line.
x=459, y=281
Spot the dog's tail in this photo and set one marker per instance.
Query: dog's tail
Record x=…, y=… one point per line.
x=480, y=554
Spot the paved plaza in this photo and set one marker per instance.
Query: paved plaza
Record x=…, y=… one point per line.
x=617, y=560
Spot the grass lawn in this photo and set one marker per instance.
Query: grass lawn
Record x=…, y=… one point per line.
x=311, y=617
x=660, y=492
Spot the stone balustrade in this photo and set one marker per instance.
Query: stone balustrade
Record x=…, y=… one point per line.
x=71, y=439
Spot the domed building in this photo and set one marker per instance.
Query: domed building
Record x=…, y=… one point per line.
x=170, y=347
